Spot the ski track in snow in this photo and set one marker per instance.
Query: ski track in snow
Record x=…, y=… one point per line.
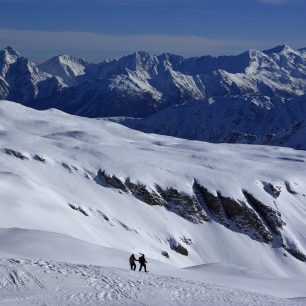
x=39, y=282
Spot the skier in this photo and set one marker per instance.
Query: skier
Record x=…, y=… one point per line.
x=142, y=260
x=132, y=262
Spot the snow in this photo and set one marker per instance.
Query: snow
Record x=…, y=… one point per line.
x=56, y=246
x=88, y=275
x=142, y=84
x=257, y=119
x=66, y=67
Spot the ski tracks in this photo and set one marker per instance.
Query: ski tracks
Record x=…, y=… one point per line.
x=38, y=282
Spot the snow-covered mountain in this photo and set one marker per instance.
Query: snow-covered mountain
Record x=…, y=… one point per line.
x=21, y=80
x=240, y=119
x=65, y=66
x=247, y=98
x=77, y=168
x=141, y=84
x=92, y=191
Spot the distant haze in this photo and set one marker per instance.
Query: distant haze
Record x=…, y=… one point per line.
x=99, y=29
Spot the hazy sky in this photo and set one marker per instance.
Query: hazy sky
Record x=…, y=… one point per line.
x=96, y=29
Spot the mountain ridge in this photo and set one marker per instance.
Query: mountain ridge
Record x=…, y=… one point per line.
x=141, y=85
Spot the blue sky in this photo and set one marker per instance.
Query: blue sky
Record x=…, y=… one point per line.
x=96, y=29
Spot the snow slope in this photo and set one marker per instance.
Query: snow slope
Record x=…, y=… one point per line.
x=86, y=274
x=236, y=209
x=239, y=119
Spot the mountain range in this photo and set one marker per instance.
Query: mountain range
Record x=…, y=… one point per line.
x=254, y=97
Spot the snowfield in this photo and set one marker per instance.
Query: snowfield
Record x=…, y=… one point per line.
x=79, y=195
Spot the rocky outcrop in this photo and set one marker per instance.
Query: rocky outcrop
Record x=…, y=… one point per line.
x=295, y=253
x=256, y=219
x=245, y=219
x=141, y=192
x=177, y=202
x=166, y=254
x=16, y=154
x=111, y=180
x=182, y=204
x=272, y=217
x=211, y=202
x=248, y=216
x=78, y=208
x=177, y=247
x=274, y=191
x=187, y=241
x=40, y=159
x=290, y=188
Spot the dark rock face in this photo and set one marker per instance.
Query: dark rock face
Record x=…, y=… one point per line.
x=249, y=216
x=295, y=253
x=78, y=208
x=166, y=254
x=274, y=191
x=39, y=158
x=187, y=241
x=246, y=219
x=181, y=250
x=182, y=204
x=179, y=203
x=271, y=216
x=212, y=202
x=15, y=154
x=290, y=189
x=112, y=181
x=177, y=247
x=141, y=192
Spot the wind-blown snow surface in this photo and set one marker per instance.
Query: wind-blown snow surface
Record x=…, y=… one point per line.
x=50, y=182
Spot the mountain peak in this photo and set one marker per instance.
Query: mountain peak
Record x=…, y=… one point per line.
x=280, y=49
x=11, y=51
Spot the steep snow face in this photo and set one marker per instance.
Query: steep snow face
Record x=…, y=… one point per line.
x=65, y=66
x=22, y=81
x=199, y=203
x=240, y=119
x=142, y=84
x=8, y=56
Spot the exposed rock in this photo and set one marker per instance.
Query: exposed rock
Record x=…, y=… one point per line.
x=274, y=191
x=245, y=218
x=141, y=192
x=181, y=250
x=182, y=204
x=127, y=228
x=212, y=202
x=290, y=189
x=103, y=215
x=112, y=181
x=238, y=137
x=188, y=241
x=39, y=158
x=177, y=247
x=15, y=154
x=67, y=167
x=295, y=253
x=166, y=254
x=271, y=216
x=78, y=208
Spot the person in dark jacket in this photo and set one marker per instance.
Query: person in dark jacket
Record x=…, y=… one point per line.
x=143, y=262
x=132, y=262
